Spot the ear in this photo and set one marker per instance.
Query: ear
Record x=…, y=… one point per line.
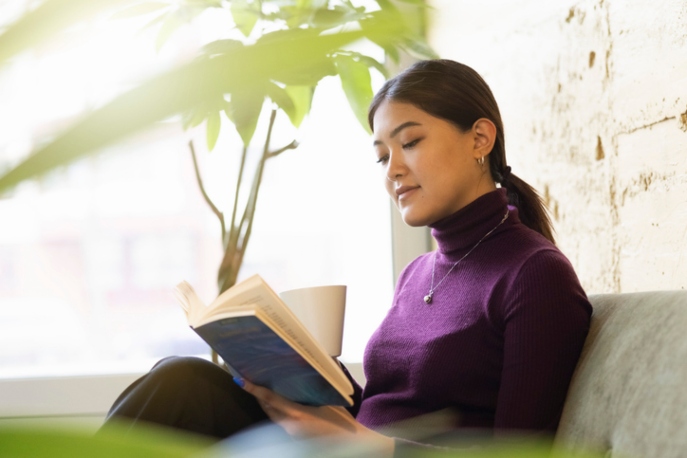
x=484, y=131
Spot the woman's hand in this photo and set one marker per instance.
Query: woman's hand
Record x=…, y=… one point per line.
x=308, y=422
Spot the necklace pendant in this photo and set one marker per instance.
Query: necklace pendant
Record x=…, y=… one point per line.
x=428, y=298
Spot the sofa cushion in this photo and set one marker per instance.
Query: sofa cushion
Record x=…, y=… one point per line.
x=628, y=396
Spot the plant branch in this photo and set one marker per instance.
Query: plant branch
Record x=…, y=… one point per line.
x=292, y=145
x=214, y=208
x=247, y=220
x=233, y=230
x=240, y=233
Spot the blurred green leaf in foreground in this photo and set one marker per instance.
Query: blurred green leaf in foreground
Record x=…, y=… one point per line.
x=119, y=440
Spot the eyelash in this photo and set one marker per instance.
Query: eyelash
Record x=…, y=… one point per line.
x=411, y=144
x=384, y=159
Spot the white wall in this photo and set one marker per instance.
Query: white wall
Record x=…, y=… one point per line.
x=79, y=401
x=594, y=100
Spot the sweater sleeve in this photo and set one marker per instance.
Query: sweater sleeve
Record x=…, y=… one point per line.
x=357, y=391
x=545, y=321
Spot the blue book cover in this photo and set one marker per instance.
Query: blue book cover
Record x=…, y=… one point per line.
x=252, y=350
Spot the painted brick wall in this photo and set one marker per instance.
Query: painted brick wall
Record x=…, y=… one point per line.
x=594, y=100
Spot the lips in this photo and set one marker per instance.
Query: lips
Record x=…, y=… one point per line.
x=405, y=191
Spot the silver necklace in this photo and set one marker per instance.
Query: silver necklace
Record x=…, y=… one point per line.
x=432, y=287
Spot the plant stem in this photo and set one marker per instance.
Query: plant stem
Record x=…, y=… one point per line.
x=292, y=145
x=214, y=208
x=235, y=249
x=233, y=230
x=240, y=233
x=247, y=220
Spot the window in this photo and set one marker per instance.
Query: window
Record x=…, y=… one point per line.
x=89, y=254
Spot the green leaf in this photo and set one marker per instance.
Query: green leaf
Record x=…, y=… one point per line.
x=392, y=52
x=325, y=17
x=245, y=16
x=113, y=441
x=356, y=83
x=212, y=129
x=202, y=81
x=204, y=3
x=296, y=17
x=302, y=101
x=311, y=4
x=228, y=111
x=221, y=46
x=282, y=98
x=246, y=106
x=308, y=74
x=192, y=118
x=420, y=47
x=139, y=10
x=328, y=15
x=378, y=20
x=389, y=7
x=371, y=62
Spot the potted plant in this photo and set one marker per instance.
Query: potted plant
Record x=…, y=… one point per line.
x=282, y=49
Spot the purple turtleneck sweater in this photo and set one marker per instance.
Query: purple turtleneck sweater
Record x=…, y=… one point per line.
x=498, y=344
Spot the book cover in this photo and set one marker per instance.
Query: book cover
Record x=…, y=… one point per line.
x=252, y=350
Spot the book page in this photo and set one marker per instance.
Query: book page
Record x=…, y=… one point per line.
x=256, y=293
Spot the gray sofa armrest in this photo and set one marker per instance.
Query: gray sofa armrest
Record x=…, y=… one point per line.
x=628, y=396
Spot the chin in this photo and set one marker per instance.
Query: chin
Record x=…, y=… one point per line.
x=414, y=220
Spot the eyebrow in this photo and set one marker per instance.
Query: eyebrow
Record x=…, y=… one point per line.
x=397, y=130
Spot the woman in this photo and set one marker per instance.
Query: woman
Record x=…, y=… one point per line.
x=488, y=328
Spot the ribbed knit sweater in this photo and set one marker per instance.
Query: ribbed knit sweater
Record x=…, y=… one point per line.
x=498, y=344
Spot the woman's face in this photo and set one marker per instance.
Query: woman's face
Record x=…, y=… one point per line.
x=430, y=166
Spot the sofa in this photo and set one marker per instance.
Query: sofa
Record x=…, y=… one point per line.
x=628, y=396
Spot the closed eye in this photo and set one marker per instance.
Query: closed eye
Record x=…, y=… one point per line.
x=383, y=160
x=411, y=144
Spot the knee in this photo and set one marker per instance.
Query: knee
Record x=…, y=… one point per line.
x=185, y=367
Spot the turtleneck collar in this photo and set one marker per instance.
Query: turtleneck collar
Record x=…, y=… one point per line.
x=465, y=227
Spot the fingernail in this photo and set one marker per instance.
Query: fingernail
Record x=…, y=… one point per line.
x=239, y=381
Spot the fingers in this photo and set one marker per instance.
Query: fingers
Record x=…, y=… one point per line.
x=263, y=394
x=307, y=421
x=274, y=405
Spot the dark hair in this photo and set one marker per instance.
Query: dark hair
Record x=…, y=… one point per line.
x=456, y=93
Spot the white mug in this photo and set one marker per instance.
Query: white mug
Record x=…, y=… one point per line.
x=321, y=309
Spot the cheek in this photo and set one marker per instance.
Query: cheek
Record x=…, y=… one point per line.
x=389, y=186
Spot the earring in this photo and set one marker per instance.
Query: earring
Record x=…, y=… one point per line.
x=480, y=161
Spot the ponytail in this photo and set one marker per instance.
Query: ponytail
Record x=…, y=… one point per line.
x=531, y=207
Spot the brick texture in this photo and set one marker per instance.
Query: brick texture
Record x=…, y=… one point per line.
x=594, y=100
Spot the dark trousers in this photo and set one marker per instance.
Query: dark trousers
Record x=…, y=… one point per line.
x=191, y=394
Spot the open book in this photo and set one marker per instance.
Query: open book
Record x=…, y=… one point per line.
x=262, y=341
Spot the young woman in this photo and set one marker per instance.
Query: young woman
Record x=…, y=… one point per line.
x=487, y=329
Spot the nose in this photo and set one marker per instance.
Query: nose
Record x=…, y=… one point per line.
x=392, y=178
x=395, y=167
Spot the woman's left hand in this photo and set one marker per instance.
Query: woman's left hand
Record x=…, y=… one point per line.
x=306, y=421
